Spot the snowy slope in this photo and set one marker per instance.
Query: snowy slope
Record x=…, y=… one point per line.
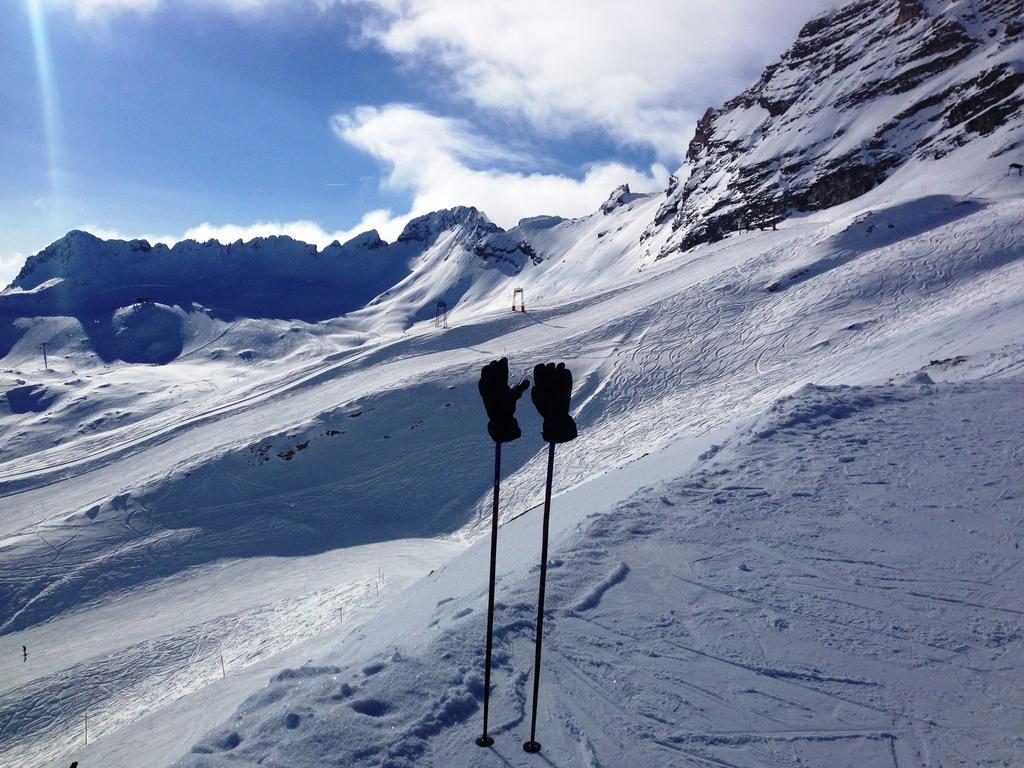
x=876, y=626
x=189, y=506
x=241, y=498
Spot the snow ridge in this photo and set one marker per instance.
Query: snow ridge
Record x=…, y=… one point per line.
x=593, y=597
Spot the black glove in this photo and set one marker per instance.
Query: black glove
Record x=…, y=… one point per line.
x=552, y=388
x=500, y=401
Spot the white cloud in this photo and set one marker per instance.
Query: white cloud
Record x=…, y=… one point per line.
x=10, y=264
x=641, y=71
x=303, y=229
x=442, y=163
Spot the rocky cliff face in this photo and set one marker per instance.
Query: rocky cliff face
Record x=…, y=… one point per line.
x=426, y=229
x=864, y=89
x=619, y=197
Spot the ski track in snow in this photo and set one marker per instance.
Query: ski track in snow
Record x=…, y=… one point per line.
x=120, y=687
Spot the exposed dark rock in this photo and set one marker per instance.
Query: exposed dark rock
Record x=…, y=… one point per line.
x=908, y=11
x=841, y=185
x=500, y=246
x=702, y=137
x=774, y=108
x=528, y=249
x=989, y=102
x=619, y=197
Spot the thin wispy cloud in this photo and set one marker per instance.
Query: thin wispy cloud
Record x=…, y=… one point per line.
x=101, y=9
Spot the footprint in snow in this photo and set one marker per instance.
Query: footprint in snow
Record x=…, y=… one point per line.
x=371, y=707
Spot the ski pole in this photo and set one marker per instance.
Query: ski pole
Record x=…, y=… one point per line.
x=485, y=740
x=533, y=745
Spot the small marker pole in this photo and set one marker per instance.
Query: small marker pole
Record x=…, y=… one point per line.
x=533, y=745
x=87, y=729
x=486, y=740
x=223, y=674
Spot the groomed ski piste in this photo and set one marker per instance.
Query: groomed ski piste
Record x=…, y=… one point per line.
x=249, y=527
x=787, y=535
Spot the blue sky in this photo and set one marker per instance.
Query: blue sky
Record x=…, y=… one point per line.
x=320, y=118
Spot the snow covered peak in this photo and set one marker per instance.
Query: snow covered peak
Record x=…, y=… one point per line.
x=425, y=229
x=364, y=241
x=539, y=222
x=863, y=90
x=474, y=232
x=619, y=197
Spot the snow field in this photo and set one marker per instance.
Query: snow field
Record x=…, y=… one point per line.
x=835, y=586
x=689, y=346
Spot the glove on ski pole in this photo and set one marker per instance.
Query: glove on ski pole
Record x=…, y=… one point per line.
x=552, y=389
x=500, y=401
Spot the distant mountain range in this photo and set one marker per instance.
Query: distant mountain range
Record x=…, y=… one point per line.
x=865, y=91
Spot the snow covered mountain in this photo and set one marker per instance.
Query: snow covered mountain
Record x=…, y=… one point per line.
x=83, y=275
x=787, y=535
x=135, y=301
x=864, y=90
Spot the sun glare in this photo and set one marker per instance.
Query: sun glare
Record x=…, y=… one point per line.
x=47, y=91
